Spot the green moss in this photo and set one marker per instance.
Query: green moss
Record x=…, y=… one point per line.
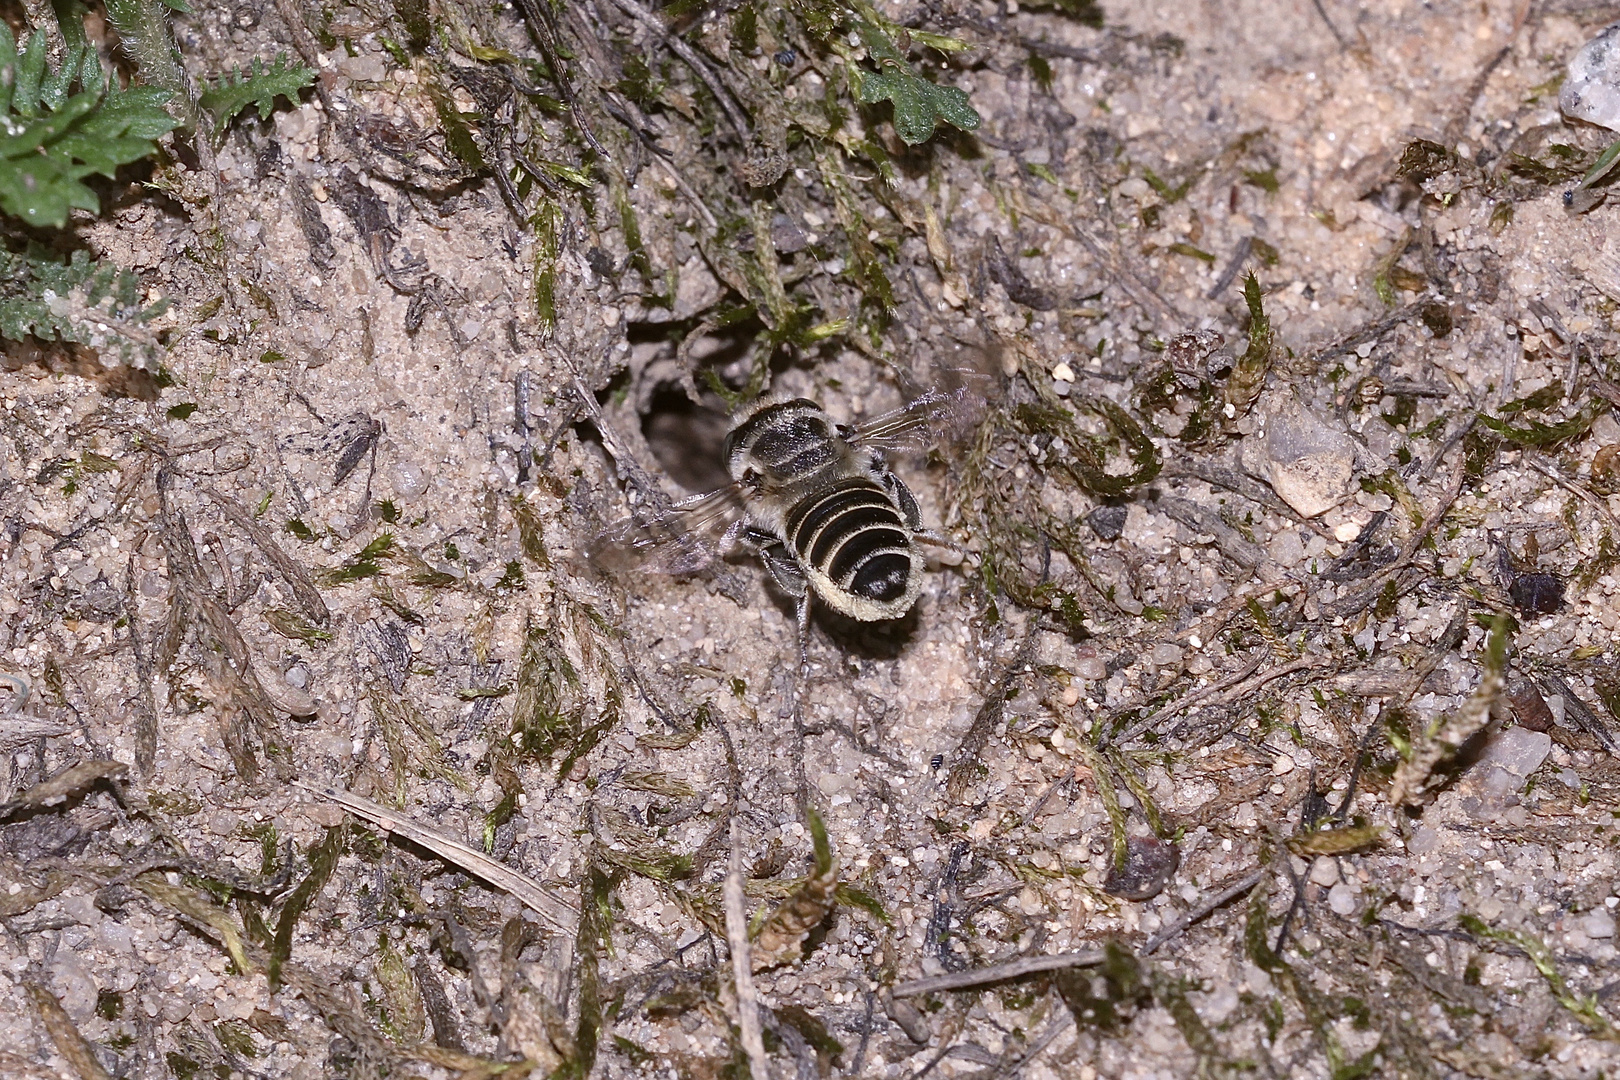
x=323, y=859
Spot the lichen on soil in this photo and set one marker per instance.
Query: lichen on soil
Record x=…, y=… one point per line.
x=1272, y=672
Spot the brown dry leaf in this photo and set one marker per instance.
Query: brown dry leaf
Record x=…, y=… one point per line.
x=60, y=1027
x=299, y=583
x=558, y=912
x=26, y=896
x=70, y=781
x=784, y=932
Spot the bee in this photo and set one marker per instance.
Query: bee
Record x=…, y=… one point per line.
x=814, y=499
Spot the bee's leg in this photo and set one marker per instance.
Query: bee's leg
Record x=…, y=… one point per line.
x=786, y=573
x=790, y=577
x=800, y=681
x=950, y=552
x=907, y=502
x=783, y=568
x=749, y=539
x=938, y=539
x=802, y=615
x=904, y=499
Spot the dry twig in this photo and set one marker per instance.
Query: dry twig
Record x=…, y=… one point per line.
x=742, y=971
x=994, y=973
x=555, y=910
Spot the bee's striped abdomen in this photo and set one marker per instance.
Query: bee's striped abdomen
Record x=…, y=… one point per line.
x=854, y=535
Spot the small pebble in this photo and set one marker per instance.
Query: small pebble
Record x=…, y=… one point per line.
x=409, y=480
x=1287, y=548
x=1134, y=188
x=1518, y=751
x=1310, y=463
x=1150, y=863
x=1606, y=464
x=1281, y=765
x=74, y=986
x=368, y=67
x=1090, y=668
x=1108, y=522
x=1424, y=840
x=1342, y=900
x=905, y=1014
x=1537, y=594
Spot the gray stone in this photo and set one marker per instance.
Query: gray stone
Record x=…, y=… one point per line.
x=1309, y=463
x=409, y=480
x=367, y=67
x=1517, y=751
x=74, y=987
x=1167, y=654
x=1287, y=548
x=1108, y=521
x=1090, y=668
x=1508, y=759
x=1591, y=92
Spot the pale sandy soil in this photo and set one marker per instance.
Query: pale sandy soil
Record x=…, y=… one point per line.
x=970, y=867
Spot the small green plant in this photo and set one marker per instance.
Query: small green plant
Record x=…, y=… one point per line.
x=919, y=105
x=259, y=86
x=56, y=137
x=68, y=121
x=82, y=301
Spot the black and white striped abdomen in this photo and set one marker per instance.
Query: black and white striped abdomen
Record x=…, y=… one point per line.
x=851, y=536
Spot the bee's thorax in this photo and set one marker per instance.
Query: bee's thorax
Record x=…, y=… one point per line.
x=833, y=508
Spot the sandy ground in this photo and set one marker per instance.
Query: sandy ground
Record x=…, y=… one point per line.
x=955, y=759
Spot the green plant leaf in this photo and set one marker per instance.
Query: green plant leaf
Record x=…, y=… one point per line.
x=53, y=90
x=919, y=105
x=259, y=86
x=143, y=27
x=55, y=138
x=29, y=72
x=1601, y=167
x=81, y=301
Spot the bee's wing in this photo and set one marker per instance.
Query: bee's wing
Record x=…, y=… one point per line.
x=938, y=415
x=676, y=540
